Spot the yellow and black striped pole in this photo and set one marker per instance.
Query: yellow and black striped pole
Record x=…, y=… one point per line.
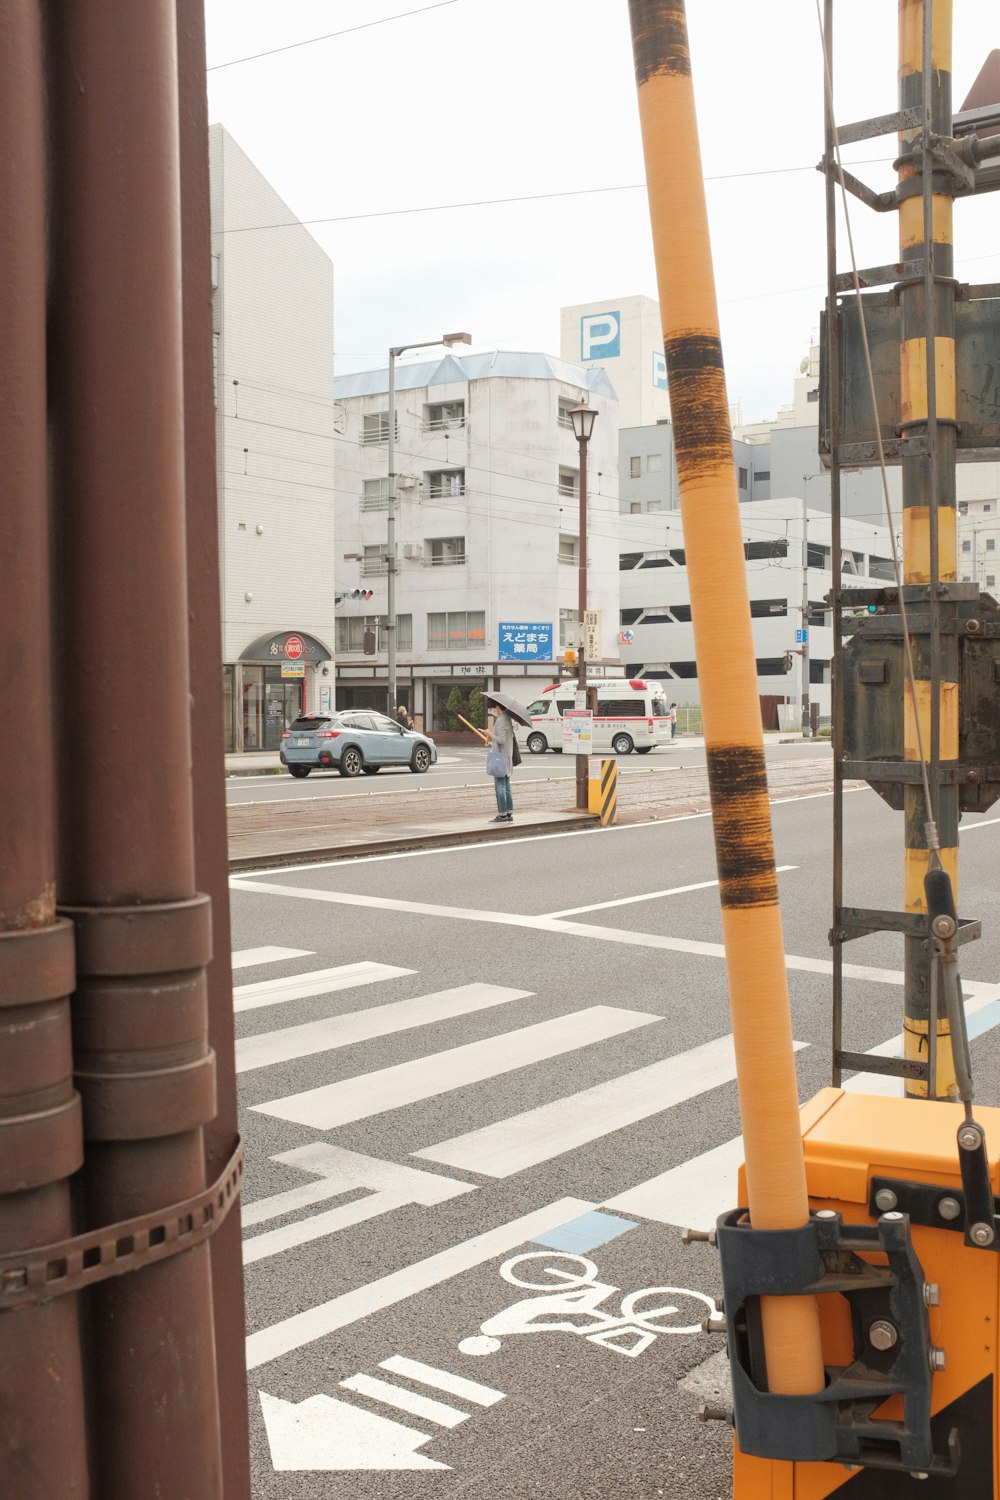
x=727, y=672
x=927, y=371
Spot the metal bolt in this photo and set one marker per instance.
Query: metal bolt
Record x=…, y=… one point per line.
x=970, y=1137
x=918, y=1475
x=936, y=1358
x=932, y=1294
x=714, y=1323
x=707, y=1236
x=949, y=1208
x=708, y=1413
x=885, y=1199
x=826, y=1213
x=943, y=926
x=893, y=1216
x=982, y=1234
x=973, y=626
x=882, y=1334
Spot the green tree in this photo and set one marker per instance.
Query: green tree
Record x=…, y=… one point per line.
x=477, y=708
x=456, y=705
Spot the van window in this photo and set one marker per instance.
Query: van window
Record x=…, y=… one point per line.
x=659, y=707
x=540, y=706
x=620, y=708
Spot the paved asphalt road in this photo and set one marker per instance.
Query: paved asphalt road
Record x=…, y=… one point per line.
x=453, y=1060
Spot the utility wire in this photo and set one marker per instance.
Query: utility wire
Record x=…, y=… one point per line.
x=311, y=40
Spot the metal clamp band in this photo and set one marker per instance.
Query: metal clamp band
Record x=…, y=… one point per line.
x=37, y=964
x=48, y=1271
x=163, y=937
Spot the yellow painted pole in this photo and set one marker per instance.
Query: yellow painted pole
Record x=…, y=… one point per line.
x=480, y=733
x=727, y=671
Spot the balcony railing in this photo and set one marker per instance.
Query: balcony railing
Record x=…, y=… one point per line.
x=456, y=560
x=374, y=567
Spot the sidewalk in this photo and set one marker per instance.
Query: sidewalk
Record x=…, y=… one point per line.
x=271, y=832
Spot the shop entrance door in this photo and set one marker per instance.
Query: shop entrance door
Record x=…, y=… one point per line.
x=282, y=703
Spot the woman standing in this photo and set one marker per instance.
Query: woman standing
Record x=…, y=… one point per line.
x=500, y=759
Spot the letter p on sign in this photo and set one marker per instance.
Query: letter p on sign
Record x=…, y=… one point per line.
x=600, y=335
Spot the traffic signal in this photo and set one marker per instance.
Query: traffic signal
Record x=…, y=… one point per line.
x=873, y=609
x=359, y=594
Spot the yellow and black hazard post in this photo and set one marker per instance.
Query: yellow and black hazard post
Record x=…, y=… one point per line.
x=861, y=1273
x=602, y=790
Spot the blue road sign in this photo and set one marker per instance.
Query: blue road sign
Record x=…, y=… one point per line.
x=525, y=642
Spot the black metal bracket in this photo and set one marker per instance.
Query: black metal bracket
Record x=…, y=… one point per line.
x=935, y=1207
x=893, y=1355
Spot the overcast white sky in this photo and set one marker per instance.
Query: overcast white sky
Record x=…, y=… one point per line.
x=476, y=99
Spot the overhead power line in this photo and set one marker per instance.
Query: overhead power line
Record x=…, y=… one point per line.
x=309, y=41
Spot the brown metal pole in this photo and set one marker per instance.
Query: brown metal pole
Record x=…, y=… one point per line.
x=582, y=761
x=126, y=847
x=211, y=845
x=42, y=1427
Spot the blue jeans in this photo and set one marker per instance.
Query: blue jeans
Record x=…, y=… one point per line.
x=505, y=802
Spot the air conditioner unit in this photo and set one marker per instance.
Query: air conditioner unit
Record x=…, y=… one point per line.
x=406, y=482
x=412, y=549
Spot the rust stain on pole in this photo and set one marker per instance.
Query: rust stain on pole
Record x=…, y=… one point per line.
x=42, y=1432
x=126, y=842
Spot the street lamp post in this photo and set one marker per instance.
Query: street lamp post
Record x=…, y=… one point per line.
x=448, y=339
x=806, y=718
x=583, y=417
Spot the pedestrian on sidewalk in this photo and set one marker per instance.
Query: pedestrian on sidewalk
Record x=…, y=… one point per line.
x=403, y=717
x=672, y=716
x=500, y=760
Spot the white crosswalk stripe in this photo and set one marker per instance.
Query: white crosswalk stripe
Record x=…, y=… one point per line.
x=250, y=958
x=318, y=982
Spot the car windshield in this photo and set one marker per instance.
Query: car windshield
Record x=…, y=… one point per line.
x=309, y=723
x=540, y=706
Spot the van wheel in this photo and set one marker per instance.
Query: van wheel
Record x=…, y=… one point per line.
x=622, y=744
x=537, y=744
x=643, y=749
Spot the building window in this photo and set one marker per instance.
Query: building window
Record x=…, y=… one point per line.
x=445, y=484
x=762, y=476
x=375, y=561
x=991, y=580
x=569, y=481
x=564, y=418
x=375, y=429
x=635, y=466
x=351, y=633
x=457, y=630
x=567, y=549
x=445, y=551
x=991, y=544
x=966, y=545
x=444, y=416
x=742, y=475
x=569, y=629
x=376, y=494
x=635, y=507
x=987, y=508
x=653, y=463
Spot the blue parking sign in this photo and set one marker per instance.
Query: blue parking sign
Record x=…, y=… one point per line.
x=520, y=641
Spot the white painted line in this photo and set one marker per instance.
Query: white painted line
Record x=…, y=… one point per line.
x=413, y=1402
x=983, y=823
x=677, y=890
x=538, y=1135
x=369, y=1094
x=318, y=982
x=442, y=1380
x=328, y=1435
x=346, y=1216
x=247, y=958
x=270, y=1047
x=350, y=1307
x=279, y=1204
x=353, y=1170
x=566, y=929
x=692, y=1194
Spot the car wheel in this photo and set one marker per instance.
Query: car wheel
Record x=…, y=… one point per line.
x=371, y=770
x=300, y=772
x=622, y=744
x=420, y=760
x=643, y=749
x=537, y=744
x=351, y=761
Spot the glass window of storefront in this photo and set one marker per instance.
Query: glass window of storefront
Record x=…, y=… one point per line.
x=269, y=704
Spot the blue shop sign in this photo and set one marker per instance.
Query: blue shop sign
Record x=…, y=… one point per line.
x=525, y=642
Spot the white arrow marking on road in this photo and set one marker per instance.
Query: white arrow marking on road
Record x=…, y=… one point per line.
x=323, y=1433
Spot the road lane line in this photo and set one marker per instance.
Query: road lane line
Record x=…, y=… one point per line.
x=270, y=1047
x=417, y=1405
x=317, y=982
x=538, y=1135
x=368, y=1094
x=693, y=1194
x=247, y=958
x=350, y=1307
x=677, y=890
x=442, y=1380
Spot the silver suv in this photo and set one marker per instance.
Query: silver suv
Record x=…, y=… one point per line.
x=352, y=742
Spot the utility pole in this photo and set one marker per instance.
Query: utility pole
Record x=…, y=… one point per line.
x=806, y=721
x=583, y=417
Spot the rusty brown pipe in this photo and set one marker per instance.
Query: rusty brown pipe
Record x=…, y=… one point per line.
x=42, y=1428
x=144, y=1067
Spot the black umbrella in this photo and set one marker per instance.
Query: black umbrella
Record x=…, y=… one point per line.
x=515, y=709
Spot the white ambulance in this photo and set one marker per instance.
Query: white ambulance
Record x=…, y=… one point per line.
x=631, y=715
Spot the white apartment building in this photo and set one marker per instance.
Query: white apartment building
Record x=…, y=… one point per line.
x=657, y=636
x=273, y=336
x=487, y=526
x=978, y=494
